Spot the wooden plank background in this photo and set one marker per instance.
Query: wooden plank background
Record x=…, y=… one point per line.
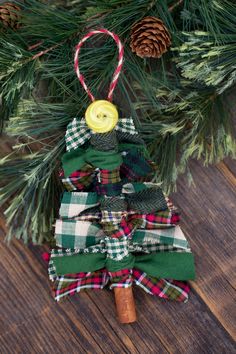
x=32, y=322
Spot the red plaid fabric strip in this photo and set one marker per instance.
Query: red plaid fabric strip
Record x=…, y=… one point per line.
x=152, y=221
x=125, y=229
x=74, y=283
x=175, y=218
x=107, y=177
x=134, y=168
x=78, y=180
x=166, y=289
x=121, y=279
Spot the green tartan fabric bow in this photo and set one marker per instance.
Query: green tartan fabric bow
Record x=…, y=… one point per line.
x=86, y=218
x=78, y=133
x=170, y=255
x=170, y=265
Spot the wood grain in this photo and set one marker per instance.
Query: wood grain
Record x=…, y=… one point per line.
x=32, y=322
x=210, y=225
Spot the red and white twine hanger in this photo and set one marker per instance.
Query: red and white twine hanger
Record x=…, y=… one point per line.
x=117, y=71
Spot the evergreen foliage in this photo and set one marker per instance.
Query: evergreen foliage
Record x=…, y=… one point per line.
x=179, y=102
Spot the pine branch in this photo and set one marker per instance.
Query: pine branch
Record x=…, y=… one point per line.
x=40, y=121
x=178, y=117
x=33, y=191
x=175, y=5
x=213, y=16
x=200, y=58
x=17, y=77
x=190, y=122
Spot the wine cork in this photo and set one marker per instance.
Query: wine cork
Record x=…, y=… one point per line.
x=125, y=305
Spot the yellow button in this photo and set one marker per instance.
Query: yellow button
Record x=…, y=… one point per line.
x=101, y=116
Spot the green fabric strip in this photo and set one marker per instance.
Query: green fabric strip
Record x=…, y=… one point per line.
x=75, y=159
x=114, y=265
x=139, y=186
x=72, y=161
x=163, y=236
x=79, y=263
x=83, y=198
x=71, y=241
x=73, y=203
x=170, y=265
x=147, y=200
x=108, y=160
x=140, y=147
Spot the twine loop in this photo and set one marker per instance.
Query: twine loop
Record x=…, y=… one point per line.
x=117, y=71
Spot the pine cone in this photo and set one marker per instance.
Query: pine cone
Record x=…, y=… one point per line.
x=149, y=38
x=9, y=15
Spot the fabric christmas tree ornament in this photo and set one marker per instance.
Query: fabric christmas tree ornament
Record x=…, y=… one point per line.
x=115, y=228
